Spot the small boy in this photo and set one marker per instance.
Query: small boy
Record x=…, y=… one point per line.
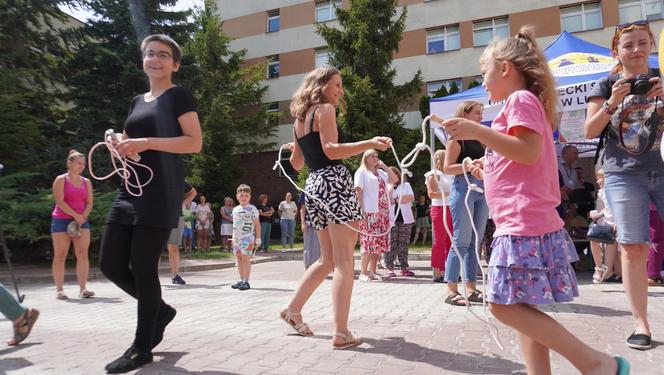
x=246, y=235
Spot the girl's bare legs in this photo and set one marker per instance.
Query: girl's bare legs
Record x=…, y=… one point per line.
x=596, y=249
x=635, y=280
x=540, y=331
x=61, y=242
x=373, y=263
x=313, y=276
x=81, y=246
x=173, y=259
x=425, y=230
x=364, y=263
x=612, y=260
x=343, y=244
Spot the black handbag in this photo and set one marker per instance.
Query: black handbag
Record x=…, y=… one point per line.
x=601, y=233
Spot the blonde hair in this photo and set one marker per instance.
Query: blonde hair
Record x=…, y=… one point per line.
x=616, y=39
x=526, y=56
x=599, y=173
x=466, y=107
x=310, y=91
x=243, y=189
x=367, y=153
x=73, y=154
x=439, y=159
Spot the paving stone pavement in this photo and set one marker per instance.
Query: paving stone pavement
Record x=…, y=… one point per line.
x=407, y=329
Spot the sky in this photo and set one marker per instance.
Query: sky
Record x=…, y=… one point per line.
x=83, y=15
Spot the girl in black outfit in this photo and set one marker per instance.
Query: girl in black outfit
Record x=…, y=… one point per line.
x=161, y=124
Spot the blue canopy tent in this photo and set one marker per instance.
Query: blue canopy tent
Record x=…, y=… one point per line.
x=576, y=64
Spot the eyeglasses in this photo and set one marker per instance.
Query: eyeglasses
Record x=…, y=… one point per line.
x=161, y=55
x=628, y=24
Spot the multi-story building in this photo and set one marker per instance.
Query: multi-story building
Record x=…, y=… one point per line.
x=443, y=38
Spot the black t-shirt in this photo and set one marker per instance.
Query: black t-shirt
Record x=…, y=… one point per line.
x=422, y=209
x=160, y=205
x=264, y=208
x=616, y=158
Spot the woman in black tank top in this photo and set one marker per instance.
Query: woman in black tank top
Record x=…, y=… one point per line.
x=319, y=144
x=463, y=236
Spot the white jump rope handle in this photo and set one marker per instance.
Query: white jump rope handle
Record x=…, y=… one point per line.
x=126, y=170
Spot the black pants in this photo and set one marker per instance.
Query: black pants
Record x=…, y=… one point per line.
x=129, y=258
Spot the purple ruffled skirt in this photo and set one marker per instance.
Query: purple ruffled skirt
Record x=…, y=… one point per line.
x=534, y=270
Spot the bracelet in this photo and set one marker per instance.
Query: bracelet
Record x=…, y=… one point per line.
x=606, y=107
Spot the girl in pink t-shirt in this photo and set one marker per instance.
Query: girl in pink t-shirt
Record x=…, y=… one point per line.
x=530, y=262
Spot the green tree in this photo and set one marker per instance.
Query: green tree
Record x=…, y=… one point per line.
x=453, y=88
x=362, y=47
x=229, y=104
x=106, y=71
x=426, y=100
x=31, y=51
x=475, y=83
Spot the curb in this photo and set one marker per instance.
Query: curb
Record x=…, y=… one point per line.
x=96, y=274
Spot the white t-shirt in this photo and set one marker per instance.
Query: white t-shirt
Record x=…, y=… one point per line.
x=368, y=182
x=287, y=210
x=444, y=185
x=243, y=221
x=406, y=208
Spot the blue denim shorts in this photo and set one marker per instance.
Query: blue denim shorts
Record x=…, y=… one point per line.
x=60, y=225
x=628, y=196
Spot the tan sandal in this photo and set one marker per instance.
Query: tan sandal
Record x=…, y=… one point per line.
x=350, y=340
x=23, y=328
x=302, y=328
x=85, y=293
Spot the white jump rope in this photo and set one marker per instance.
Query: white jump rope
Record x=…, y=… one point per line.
x=125, y=171
x=403, y=164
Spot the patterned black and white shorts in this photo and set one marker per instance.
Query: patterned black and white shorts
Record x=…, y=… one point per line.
x=334, y=186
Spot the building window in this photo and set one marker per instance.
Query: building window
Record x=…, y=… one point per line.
x=434, y=86
x=272, y=113
x=322, y=57
x=634, y=10
x=485, y=31
x=273, y=66
x=581, y=17
x=445, y=39
x=273, y=21
x=327, y=10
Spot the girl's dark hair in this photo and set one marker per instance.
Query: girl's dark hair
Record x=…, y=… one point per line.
x=162, y=38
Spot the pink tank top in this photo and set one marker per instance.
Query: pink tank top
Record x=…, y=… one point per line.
x=75, y=197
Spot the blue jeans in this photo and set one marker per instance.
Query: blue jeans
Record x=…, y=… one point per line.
x=463, y=236
x=628, y=195
x=287, y=229
x=266, y=228
x=9, y=306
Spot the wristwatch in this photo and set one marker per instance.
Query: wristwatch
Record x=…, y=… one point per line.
x=606, y=107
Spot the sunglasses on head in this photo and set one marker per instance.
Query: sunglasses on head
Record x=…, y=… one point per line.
x=628, y=24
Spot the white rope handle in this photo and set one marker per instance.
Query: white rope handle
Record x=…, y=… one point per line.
x=126, y=170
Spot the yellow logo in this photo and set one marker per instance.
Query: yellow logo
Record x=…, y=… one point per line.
x=580, y=63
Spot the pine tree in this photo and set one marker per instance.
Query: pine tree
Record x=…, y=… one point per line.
x=475, y=83
x=31, y=50
x=106, y=71
x=229, y=104
x=362, y=47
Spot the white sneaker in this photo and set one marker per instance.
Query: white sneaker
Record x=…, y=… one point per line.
x=375, y=277
x=364, y=278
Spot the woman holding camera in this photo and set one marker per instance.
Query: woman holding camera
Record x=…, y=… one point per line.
x=630, y=106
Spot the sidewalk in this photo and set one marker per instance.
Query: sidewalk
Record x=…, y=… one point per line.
x=27, y=274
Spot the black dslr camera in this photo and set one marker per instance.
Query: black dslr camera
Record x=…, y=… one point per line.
x=639, y=85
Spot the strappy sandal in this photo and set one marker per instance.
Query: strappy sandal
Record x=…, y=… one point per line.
x=350, y=340
x=85, y=293
x=302, y=329
x=598, y=276
x=23, y=328
x=455, y=299
x=476, y=296
x=60, y=294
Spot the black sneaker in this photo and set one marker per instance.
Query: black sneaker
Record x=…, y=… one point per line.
x=178, y=280
x=237, y=284
x=162, y=322
x=130, y=360
x=244, y=286
x=639, y=341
